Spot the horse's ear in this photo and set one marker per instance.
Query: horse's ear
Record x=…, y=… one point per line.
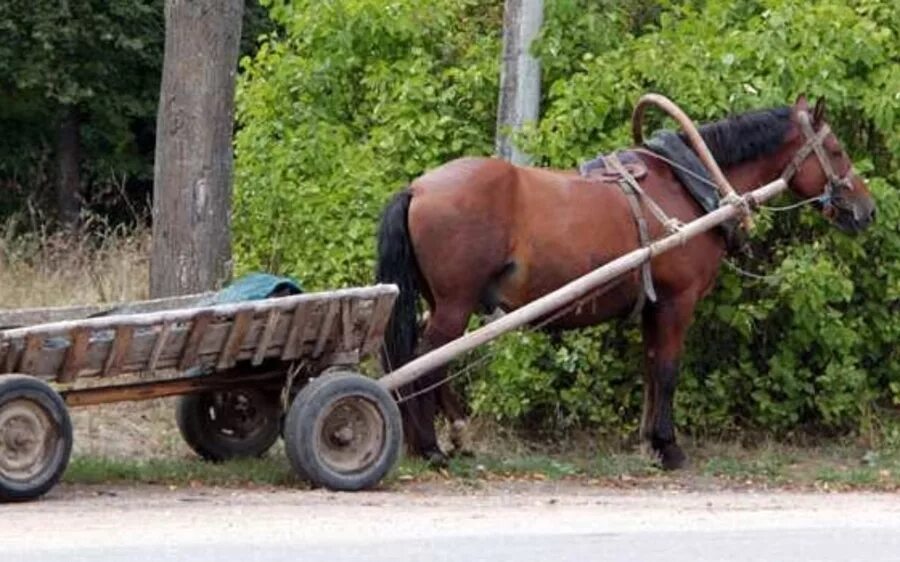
x=819, y=111
x=801, y=104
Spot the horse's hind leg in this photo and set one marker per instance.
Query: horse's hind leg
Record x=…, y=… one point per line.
x=446, y=323
x=453, y=409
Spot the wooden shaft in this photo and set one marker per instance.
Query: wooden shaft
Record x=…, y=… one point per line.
x=689, y=129
x=570, y=292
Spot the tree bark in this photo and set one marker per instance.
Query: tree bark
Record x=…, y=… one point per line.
x=193, y=165
x=520, y=75
x=68, y=158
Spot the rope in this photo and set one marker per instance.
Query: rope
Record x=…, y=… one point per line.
x=793, y=205
x=750, y=274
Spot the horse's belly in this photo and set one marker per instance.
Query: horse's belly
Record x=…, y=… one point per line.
x=604, y=304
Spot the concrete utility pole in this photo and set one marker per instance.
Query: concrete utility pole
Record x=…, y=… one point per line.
x=520, y=75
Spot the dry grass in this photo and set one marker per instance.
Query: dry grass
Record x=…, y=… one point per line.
x=61, y=269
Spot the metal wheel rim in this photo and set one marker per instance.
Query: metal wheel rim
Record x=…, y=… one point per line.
x=236, y=415
x=29, y=440
x=350, y=434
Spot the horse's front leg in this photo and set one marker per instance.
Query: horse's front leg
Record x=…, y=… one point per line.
x=665, y=327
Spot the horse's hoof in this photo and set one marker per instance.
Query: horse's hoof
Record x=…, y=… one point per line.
x=462, y=453
x=672, y=457
x=435, y=458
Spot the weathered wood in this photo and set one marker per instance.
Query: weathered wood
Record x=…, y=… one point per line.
x=158, y=389
x=265, y=340
x=11, y=357
x=573, y=290
x=158, y=345
x=293, y=346
x=192, y=346
x=191, y=242
x=236, y=335
x=347, y=319
x=118, y=351
x=31, y=316
x=75, y=354
x=378, y=324
x=186, y=315
x=325, y=328
x=31, y=355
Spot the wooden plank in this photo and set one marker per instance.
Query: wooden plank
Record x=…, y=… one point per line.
x=293, y=345
x=188, y=314
x=75, y=354
x=192, y=345
x=118, y=351
x=347, y=321
x=31, y=316
x=378, y=324
x=266, y=339
x=325, y=328
x=11, y=359
x=574, y=290
x=236, y=335
x=31, y=355
x=158, y=347
x=172, y=387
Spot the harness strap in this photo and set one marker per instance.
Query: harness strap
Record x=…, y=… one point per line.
x=813, y=143
x=632, y=190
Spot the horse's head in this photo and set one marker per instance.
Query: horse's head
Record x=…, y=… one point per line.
x=821, y=169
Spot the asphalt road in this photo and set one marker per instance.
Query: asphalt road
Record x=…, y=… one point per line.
x=504, y=523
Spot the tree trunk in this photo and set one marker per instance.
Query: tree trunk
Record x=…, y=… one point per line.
x=193, y=164
x=520, y=75
x=68, y=158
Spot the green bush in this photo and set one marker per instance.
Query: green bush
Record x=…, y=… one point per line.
x=359, y=96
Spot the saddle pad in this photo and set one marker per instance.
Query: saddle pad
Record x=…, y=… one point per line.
x=673, y=147
x=596, y=168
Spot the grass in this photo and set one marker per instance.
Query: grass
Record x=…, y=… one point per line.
x=714, y=466
x=60, y=269
x=267, y=471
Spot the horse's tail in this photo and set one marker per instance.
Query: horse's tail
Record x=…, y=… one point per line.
x=397, y=264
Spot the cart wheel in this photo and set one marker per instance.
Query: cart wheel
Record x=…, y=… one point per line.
x=343, y=432
x=35, y=437
x=229, y=424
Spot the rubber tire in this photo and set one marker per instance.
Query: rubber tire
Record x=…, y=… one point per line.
x=191, y=416
x=15, y=387
x=311, y=402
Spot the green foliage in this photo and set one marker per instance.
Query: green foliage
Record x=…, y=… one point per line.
x=103, y=58
x=356, y=100
x=358, y=97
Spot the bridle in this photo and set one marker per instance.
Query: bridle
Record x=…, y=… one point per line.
x=814, y=143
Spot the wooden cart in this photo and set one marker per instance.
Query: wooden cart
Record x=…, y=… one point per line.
x=248, y=372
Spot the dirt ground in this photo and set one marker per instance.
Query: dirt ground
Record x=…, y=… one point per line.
x=435, y=521
x=128, y=430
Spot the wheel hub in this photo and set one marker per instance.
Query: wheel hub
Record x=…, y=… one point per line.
x=26, y=437
x=351, y=434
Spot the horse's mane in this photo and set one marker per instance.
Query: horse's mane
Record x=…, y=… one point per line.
x=746, y=136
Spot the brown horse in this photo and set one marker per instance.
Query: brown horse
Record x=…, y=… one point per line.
x=481, y=233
